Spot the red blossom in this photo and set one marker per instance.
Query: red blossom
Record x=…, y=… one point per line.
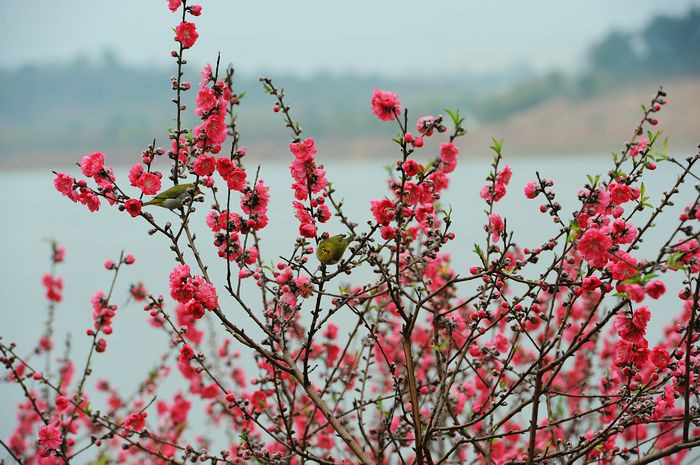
x=186, y=34
x=133, y=207
x=385, y=105
x=50, y=437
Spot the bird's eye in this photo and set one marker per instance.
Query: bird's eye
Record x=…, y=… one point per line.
x=324, y=250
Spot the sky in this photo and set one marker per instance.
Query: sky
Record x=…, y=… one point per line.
x=389, y=37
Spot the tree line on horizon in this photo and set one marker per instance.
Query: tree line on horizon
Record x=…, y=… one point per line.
x=59, y=102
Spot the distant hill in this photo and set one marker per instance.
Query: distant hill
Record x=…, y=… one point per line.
x=81, y=105
x=667, y=48
x=56, y=113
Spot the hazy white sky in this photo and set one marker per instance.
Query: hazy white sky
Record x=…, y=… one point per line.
x=304, y=36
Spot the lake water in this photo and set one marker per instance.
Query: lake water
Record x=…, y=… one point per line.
x=34, y=211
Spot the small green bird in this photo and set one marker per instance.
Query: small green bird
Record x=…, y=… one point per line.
x=330, y=251
x=174, y=197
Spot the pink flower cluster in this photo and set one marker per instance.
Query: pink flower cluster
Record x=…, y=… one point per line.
x=194, y=292
x=385, y=105
x=186, y=34
x=211, y=108
x=309, y=179
x=148, y=182
x=54, y=287
x=496, y=189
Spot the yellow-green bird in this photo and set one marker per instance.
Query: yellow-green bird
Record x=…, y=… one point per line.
x=330, y=251
x=174, y=197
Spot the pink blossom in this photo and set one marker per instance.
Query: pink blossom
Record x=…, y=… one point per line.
x=331, y=331
x=411, y=168
x=236, y=180
x=631, y=352
x=495, y=227
x=633, y=329
x=88, y=198
x=591, y=283
x=640, y=147
x=54, y=287
x=307, y=230
x=304, y=150
x=205, y=293
x=531, y=190
x=50, y=437
x=622, y=266
x=136, y=421
x=204, y=165
x=206, y=101
x=64, y=184
x=388, y=232
x=383, y=211
x=257, y=199
x=149, y=183
x=105, y=178
x=493, y=192
x=655, y=288
x=181, y=288
x=660, y=357
x=594, y=246
x=215, y=128
x=174, y=4
x=635, y=292
x=448, y=156
x=92, y=164
x=385, y=105
x=503, y=176
x=425, y=125
x=186, y=34
x=620, y=193
x=133, y=207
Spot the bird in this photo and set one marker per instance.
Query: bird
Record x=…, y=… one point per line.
x=330, y=250
x=174, y=197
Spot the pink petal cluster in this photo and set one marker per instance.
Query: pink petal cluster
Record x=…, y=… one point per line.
x=136, y=421
x=194, y=292
x=595, y=245
x=54, y=287
x=186, y=34
x=211, y=108
x=633, y=329
x=133, y=207
x=173, y=5
x=448, y=156
x=309, y=179
x=496, y=190
x=50, y=437
x=385, y=105
x=148, y=182
x=495, y=227
x=234, y=176
x=92, y=164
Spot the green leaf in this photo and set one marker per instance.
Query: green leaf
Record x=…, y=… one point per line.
x=497, y=145
x=574, y=229
x=593, y=181
x=457, y=118
x=102, y=460
x=480, y=253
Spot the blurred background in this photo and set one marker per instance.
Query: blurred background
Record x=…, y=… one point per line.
x=561, y=82
x=550, y=77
